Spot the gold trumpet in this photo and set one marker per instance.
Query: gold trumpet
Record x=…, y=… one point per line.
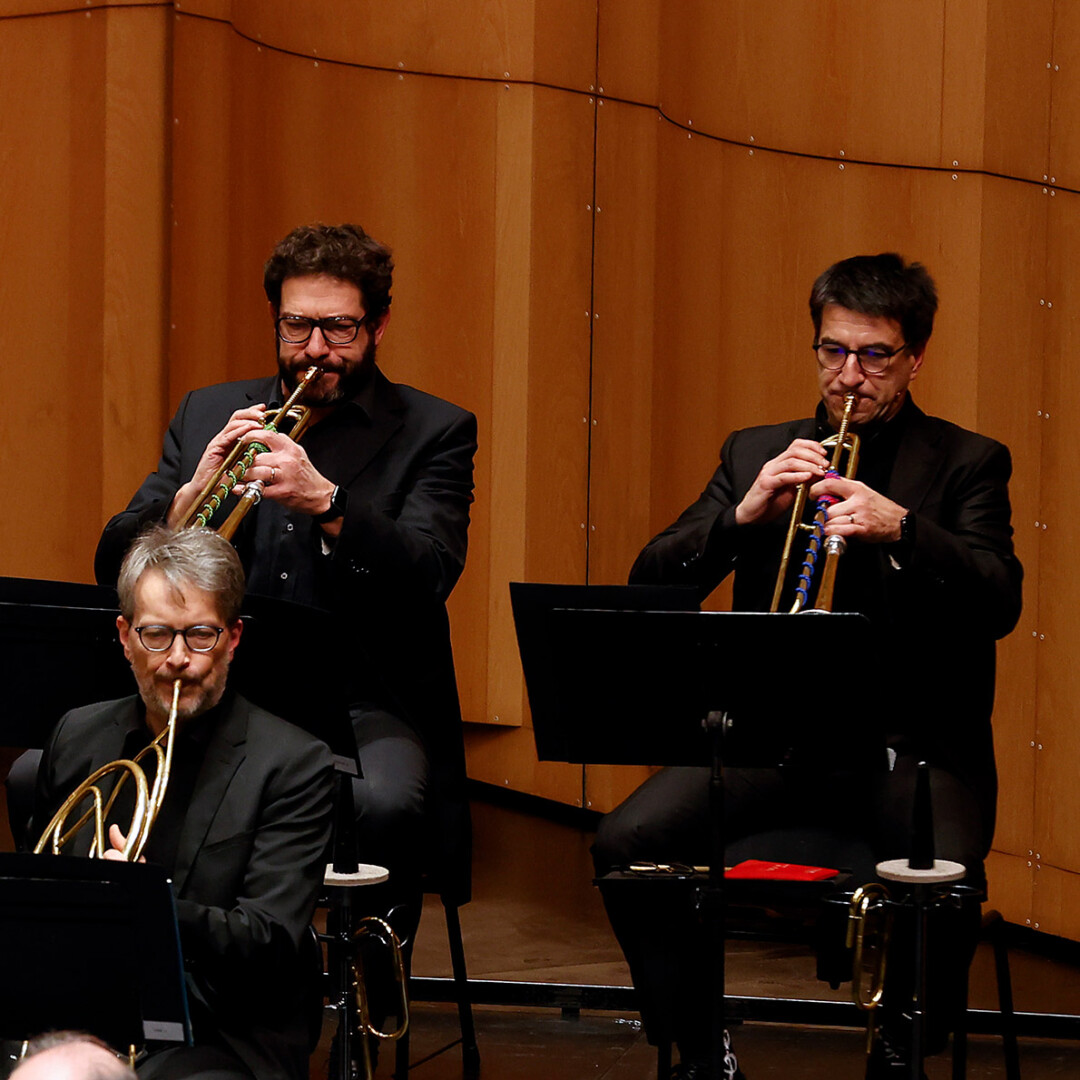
x=148, y=799
x=379, y=930
x=868, y=929
x=236, y=465
x=842, y=442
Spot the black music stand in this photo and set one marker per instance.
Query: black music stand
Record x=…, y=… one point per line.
x=48, y=626
x=631, y=687
x=101, y=940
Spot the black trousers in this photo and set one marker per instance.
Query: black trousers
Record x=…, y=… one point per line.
x=390, y=804
x=855, y=820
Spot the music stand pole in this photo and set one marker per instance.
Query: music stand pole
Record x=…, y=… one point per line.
x=711, y=896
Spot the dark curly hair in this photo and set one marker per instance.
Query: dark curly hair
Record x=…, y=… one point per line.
x=340, y=251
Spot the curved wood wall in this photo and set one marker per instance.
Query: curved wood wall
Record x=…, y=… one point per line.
x=606, y=218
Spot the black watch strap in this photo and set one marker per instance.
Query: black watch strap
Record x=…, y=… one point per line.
x=338, y=502
x=907, y=532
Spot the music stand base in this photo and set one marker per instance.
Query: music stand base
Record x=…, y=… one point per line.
x=940, y=873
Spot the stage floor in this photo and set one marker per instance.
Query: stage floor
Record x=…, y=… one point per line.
x=536, y=917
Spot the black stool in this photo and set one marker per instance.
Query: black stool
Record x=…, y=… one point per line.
x=470, y=1052
x=993, y=931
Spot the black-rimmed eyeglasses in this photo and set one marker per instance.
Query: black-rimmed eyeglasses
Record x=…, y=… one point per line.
x=197, y=638
x=336, y=330
x=872, y=359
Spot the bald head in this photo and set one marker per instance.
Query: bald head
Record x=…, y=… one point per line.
x=76, y=1058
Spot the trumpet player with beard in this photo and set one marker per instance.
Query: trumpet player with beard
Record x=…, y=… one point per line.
x=930, y=563
x=244, y=824
x=366, y=517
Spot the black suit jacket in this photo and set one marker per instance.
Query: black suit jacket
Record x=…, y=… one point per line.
x=249, y=863
x=405, y=458
x=936, y=610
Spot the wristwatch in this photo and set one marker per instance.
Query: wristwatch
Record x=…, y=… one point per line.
x=907, y=532
x=338, y=502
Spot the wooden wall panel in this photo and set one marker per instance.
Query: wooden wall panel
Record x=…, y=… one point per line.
x=1011, y=346
x=22, y=8
x=818, y=78
x=1064, y=167
x=52, y=121
x=1055, y=901
x=1012, y=879
x=626, y=334
x=136, y=245
x=547, y=41
x=1016, y=80
x=564, y=49
x=213, y=335
x=1057, y=807
x=628, y=50
x=83, y=267
x=539, y=440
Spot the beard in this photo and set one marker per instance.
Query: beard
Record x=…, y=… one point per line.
x=196, y=696
x=352, y=377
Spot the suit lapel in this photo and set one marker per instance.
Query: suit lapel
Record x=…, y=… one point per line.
x=224, y=755
x=387, y=418
x=266, y=393
x=918, y=462
x=111, y=747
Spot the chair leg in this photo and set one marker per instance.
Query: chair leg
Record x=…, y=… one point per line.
x=959, y=1046
x=663, y=1060
x=996, y=926
x=470, y=1052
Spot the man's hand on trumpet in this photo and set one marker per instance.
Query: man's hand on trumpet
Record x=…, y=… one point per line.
x=243, y=422
x=773, y=491
x=861, y=512
x=288, y=477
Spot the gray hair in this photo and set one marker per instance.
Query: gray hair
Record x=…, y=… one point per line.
x=197, y=557
x=91, y=1068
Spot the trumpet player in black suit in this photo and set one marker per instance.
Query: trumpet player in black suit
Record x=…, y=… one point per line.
x=366, y=517
x=929, y=561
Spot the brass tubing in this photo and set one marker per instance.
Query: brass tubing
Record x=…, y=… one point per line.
x=233, y=469
x=380, y=930
x=148, y=799
x=868, y=932
x=840, y=443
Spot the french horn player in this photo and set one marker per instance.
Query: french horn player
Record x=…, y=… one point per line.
x=244, y=820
